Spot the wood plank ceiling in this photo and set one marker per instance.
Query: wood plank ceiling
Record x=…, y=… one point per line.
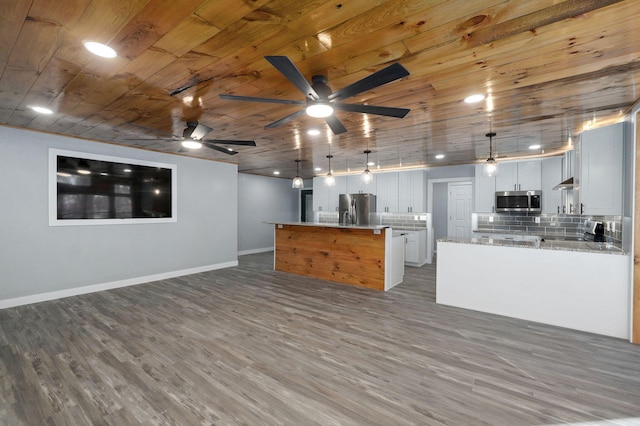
x=549, y=69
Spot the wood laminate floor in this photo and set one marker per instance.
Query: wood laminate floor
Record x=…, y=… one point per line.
x=248, y=345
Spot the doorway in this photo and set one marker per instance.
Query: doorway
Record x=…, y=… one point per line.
x=438, y=206
x=460, y=198
x=306, y=205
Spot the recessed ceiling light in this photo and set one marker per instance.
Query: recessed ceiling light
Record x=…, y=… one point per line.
x=275, y=172
x=313, y=132
x=41, y=110
x=473, y=98
x=534, y=147
x=439, y=156
x=100, y=49
x=191, y=144
x=371, y=163
x=318, y=169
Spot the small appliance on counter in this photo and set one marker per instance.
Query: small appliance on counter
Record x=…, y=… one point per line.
x=356, y=209
x=593, y=231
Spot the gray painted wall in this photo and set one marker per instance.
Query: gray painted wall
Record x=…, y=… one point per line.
x=263, y=199
x=36, y=258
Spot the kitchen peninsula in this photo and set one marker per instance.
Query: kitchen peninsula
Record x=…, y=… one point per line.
x=365, y=256
x=575, y=284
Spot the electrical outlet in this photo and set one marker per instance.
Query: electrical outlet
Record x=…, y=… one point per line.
x=537, y=219
x=490, y=219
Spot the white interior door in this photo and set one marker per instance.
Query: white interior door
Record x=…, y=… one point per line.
x=459, y=208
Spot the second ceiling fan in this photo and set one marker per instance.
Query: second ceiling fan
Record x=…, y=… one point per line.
x=321, y=101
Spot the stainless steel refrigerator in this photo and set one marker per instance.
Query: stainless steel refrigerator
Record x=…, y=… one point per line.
x=356, y=209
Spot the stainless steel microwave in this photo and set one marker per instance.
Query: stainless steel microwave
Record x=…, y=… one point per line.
x=519, y=201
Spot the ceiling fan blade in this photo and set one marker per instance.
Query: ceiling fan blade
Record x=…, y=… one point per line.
x=229, y=142
x=285, y=119
x=153, y=139
x=266, y=100
x=335, y=125
x=384, y=76
x=372, y=109
x=289, y=70
x=221, y=149
x=195, y=130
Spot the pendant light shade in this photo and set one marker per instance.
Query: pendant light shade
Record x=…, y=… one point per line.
x=366, y=177
x=297, y=181
x=490, y=166
x=329, y=180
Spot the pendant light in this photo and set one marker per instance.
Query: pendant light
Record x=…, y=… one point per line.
x=490, y=166
x=366, y=177
x=297, y=181
x=329, y=180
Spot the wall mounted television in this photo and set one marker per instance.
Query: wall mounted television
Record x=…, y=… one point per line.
x=89, y=189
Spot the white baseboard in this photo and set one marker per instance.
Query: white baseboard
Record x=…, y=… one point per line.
x=254, y=251
x=60, y=294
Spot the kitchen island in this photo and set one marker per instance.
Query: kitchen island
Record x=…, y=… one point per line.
x=580, y=285
x=365, y=256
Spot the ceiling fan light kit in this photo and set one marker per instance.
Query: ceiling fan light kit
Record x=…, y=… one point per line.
x=319, y=110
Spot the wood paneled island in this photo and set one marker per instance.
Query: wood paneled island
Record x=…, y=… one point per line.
x=369, y=257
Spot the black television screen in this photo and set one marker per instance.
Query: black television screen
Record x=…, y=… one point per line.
x=98, y=188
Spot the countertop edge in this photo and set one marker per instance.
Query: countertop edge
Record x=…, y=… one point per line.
x=542, y=246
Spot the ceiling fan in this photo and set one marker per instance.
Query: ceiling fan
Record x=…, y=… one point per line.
x=192, y=139
x=321, y=101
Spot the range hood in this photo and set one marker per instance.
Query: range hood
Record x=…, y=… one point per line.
x=565, y=184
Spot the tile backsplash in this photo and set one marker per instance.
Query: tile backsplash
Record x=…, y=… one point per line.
x=560, y=225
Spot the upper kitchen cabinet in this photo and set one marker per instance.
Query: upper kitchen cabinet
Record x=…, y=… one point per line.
x=326, y=198
x=355, y=185
x=387, y=192
x=411, y=191
x=485, y=192
x=601, y=165
x=519, y=176
x=551, y=176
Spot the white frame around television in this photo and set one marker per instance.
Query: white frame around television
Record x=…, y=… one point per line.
x=53, y=191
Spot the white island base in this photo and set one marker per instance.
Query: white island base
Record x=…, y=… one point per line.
x=579, y=290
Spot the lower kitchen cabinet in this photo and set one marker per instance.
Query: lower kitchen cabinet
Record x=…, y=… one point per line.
x=415, y=248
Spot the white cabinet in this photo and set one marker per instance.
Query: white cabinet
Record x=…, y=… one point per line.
x=411, y=191
x=386, y=192
x=551, y=176
x=415, y=248
x=519, y=176
x=334, y=193
x=601, y=165
x=325, y=198
x=355, y=185
x=485, y=192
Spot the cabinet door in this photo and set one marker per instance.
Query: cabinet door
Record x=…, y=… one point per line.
x=507, y=177
x=355, y=185
x=485, y=195
x=412, y=249
x=411, y=189
x=320, y=194
x=334, y=193
x=551, y=176
x=529, y=175
x=601, y=166
x=387, y=192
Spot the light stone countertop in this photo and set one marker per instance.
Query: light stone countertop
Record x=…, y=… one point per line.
x=330, y=225
x=580, y=246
